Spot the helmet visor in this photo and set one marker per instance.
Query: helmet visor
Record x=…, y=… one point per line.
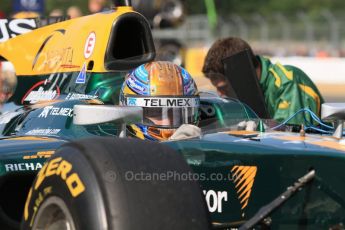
x=167, y=112
x=170, y=117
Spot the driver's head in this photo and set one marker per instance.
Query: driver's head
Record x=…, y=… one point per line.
x=168, y=95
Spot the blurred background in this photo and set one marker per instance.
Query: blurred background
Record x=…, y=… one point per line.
x=309, y=34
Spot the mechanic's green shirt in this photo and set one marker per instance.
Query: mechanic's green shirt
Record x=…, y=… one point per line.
x=288, y=89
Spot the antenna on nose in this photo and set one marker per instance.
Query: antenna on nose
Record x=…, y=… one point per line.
x=122, y=3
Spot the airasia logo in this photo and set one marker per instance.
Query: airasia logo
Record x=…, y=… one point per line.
x=41, y=91
x=89, y=45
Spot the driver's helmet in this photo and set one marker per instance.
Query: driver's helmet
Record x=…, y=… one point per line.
x=168, y=95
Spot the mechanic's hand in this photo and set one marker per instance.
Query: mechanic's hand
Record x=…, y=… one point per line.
x=186, y=131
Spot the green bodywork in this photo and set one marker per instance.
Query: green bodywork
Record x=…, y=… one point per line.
x=319, y=206
x=269, y=164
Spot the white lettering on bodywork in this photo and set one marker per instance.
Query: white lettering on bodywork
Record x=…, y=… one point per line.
x=214, y=200
x=56, y=111
x=23, y=167
x=43, y=132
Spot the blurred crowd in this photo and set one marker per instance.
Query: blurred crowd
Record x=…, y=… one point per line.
x=94, y=6
x=74, y=11
x=269, y=48
x=299, y=51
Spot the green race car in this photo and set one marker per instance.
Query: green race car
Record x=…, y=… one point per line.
x=66, y=163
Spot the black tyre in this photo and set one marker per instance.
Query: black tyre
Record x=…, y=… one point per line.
x=91, y=184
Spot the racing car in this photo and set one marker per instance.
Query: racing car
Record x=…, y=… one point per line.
x=66, y=162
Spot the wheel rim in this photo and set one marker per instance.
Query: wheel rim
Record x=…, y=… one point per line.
x=53, y=215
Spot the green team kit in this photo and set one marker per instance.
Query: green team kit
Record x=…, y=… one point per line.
x=288, y=89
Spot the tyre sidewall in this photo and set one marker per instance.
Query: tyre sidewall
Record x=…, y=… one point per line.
x=79, y=190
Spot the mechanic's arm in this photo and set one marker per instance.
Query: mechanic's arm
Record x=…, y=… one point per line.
x=293, y=97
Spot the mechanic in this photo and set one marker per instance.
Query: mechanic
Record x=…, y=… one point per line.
x=286, y=89
x=170, y=101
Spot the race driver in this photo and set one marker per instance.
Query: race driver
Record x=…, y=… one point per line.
x=169, y=98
